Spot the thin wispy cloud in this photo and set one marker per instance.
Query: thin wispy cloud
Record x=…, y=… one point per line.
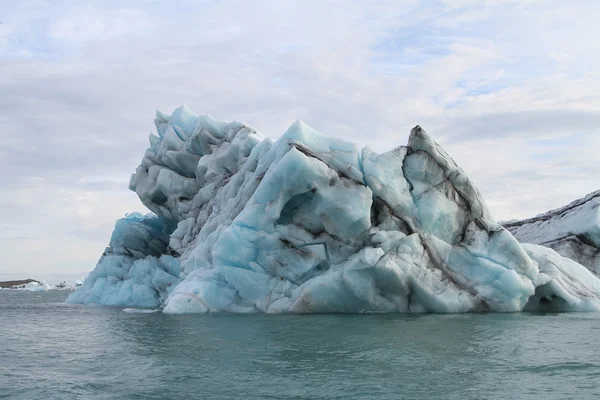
x=510, y=88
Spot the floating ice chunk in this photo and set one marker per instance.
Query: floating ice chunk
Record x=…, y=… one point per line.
x=36, y=287
x=140, y=310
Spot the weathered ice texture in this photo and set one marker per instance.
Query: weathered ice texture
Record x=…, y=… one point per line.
x=572, y=231
x=134, y=268
x=313, y=224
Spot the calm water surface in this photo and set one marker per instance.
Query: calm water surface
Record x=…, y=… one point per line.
x=51, y=350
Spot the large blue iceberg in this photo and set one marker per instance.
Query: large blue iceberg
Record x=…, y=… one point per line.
x=313, y=224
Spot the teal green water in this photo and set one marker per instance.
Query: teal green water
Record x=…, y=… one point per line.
x=51, y=350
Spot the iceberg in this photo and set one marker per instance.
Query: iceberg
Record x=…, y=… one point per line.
x=573, y=231
x=31, y=285
x=314, y=224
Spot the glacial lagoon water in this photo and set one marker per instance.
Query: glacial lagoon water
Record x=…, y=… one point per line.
x=53, y=350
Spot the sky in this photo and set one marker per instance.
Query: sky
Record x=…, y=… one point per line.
x=511, y=89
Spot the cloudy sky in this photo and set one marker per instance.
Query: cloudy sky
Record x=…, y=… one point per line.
x=510, y=88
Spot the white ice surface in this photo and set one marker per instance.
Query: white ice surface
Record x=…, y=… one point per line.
x=573, y=231
x=34, y=287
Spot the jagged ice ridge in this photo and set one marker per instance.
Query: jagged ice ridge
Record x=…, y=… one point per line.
x=313, y=224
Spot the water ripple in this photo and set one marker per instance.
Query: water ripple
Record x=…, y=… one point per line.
x=55, y=351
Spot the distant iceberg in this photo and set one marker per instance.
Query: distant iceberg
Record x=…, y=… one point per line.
x=33, y=287
x=573, y=231
x=313, y=224
x=36, y=286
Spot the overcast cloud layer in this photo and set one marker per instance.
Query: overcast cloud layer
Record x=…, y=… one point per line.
x=510, y=88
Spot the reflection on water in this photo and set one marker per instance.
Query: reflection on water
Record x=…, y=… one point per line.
x=57, y=351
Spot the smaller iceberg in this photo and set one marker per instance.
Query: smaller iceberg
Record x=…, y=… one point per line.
x=573, y=231
x=64, y=285
x=34, y=287
x=31, y=285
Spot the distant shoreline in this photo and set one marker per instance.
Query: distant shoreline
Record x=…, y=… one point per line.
x=9, y=284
